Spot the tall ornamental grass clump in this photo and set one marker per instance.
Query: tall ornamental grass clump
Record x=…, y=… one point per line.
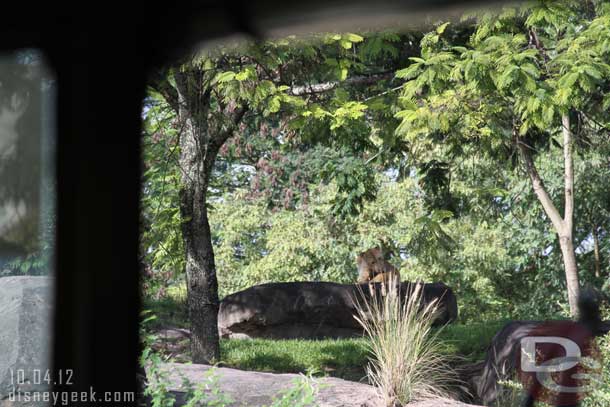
x=406, y=359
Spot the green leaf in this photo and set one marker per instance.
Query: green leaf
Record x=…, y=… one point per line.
x=409, y=72
x=274, y=104
x=346, y=43
x=225, y=77
x=248, y=73
x=441, y=28
x=531, y=70
x=208, y=64
x=606, y=102
x=439, y=215
x=353, y=37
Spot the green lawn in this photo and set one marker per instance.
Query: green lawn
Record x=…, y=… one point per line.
x=344, y=358
x=469, y=341
x=169, y=312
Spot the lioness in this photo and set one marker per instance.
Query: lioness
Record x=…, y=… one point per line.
x=374, y=268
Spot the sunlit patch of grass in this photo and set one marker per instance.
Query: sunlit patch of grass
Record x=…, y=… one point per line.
x=344, y=358
x=177, y=292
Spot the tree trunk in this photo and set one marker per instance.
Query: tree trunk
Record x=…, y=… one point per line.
x=202, y=286
x=566, y=238
x=596, y=253
x=196, y=161
x=202, y=135
x=564, y=226
x=571, y=271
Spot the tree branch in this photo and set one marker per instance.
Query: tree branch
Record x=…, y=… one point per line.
x=328, y=86
x=384, y=93
x=159, y=82
x=538, y=184
x=227, y=131
x=569, y=172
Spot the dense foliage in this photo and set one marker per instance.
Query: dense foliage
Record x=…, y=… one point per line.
x=337, y=154
x=529, y=78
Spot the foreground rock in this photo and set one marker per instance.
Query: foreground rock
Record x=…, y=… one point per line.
x=438, y=402
x=259, y=389
x=311, y=310
x=25, y=328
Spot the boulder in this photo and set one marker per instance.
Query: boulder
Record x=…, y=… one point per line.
x=311, y=310
x=440, y=402
x=258, y=388
x=25, y=335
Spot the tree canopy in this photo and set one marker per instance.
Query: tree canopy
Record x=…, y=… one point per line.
x=476, y=152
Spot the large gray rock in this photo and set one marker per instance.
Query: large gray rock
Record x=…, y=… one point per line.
x=25, y=335
x=258, y=389
x=440, y=402
x=310, y=309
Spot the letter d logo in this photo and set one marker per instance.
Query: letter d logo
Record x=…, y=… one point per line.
x=528, y=354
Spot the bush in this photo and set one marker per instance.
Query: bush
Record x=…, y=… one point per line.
x=600, y=393
x=407, y=361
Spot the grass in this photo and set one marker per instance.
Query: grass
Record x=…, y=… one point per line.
x=169, y=312
x=469, y=341
x=345, y=358
x=406, y=359
x=341, y=357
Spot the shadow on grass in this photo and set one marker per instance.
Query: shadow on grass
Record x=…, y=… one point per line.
x=469, y=341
